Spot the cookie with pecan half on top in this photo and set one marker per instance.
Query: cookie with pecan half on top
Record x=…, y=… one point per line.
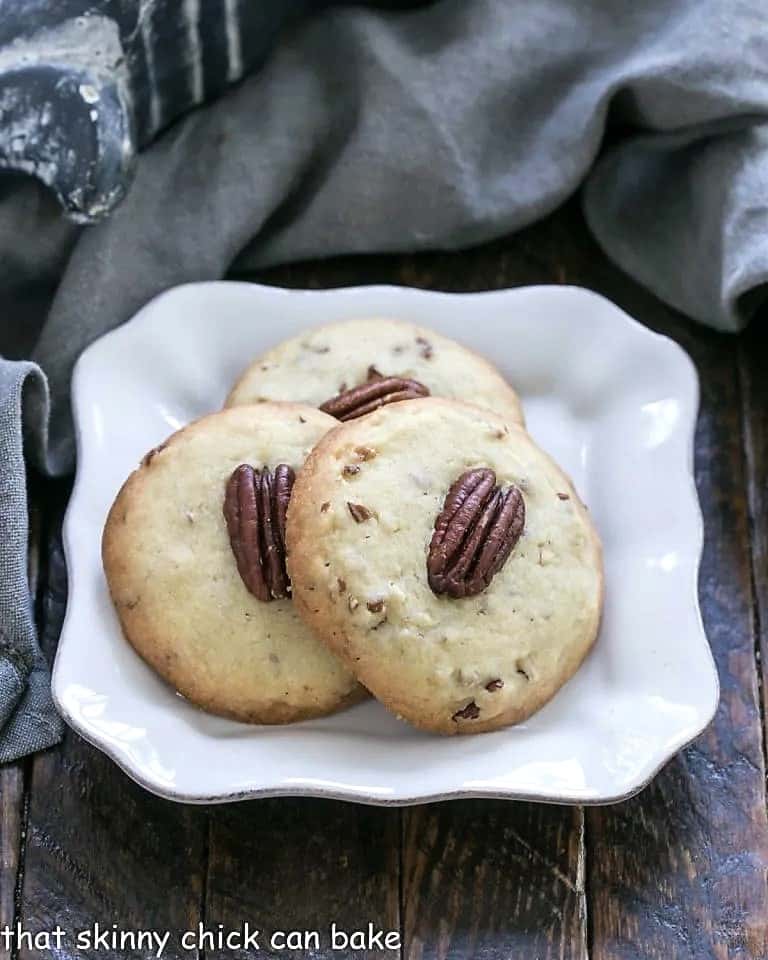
x=448, y=561
x=349, y=369
x=194, y=554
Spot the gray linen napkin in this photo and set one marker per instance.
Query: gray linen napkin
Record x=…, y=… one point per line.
x=27, y=719
x=373, y=131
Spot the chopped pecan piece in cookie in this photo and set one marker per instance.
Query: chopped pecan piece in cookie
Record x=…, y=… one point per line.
x=426, y=348
x=470, y=712
x=359, y=513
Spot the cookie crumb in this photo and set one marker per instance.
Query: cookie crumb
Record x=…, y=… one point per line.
x=365, y=453
x=350, y=470
x=494, y=685
x=375, y=606
x=324, y=507
x=564, y=496
x=353, y=603
x=342, y=585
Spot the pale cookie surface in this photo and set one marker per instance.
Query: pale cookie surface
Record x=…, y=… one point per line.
x=175, y=583
x=321, y=363
x=362, y=583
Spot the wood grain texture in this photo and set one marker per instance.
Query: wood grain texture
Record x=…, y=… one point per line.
x=680, y=871
x=11, y=841
x=492, y=879
x=301, y=865
x=677, y=872
x=98, y=847
x=753, y=357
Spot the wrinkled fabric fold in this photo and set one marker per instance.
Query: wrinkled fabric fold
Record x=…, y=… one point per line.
x=28, y=720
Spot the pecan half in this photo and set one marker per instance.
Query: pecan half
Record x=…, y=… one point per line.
x=369, y=396
x=255, y=505
x=475, y=533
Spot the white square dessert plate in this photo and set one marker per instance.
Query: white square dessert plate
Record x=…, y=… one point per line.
x=613, y=402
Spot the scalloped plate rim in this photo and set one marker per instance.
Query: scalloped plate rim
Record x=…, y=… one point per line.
x=143, y=319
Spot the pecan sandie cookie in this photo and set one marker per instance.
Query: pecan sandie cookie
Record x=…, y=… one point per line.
x=194, y=554
x=350, y=368
x=448, y=561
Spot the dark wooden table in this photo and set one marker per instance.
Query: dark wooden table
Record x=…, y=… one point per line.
x=677, y=872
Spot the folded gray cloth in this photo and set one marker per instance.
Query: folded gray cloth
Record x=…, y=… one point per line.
x=371, y=131
x=27, y=719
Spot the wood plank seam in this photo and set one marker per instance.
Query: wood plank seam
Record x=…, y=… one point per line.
x=206, y=862
x=27, y=775
x=751, y=470
x=582, y=884
x=400, y=883
x=20, y=841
